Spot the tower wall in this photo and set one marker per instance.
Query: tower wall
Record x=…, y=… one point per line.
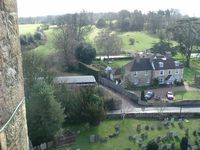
x=13, y=127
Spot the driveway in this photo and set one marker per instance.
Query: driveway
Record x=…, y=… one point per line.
x=162, y=91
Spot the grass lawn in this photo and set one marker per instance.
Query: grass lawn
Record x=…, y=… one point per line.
x=28, y=28
x=143, y=40
x=187, y=95
x=48, y=47
x=127, y=128
x=119, y=63
x=189, y=73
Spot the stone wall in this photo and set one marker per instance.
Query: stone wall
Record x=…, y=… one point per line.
x=14, y=136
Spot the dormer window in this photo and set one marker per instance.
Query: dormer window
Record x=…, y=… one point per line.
x=176, y=63
x=161, y=64
x=135, y=73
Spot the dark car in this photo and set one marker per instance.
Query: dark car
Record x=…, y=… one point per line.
x=170, y=95
x=149, y=95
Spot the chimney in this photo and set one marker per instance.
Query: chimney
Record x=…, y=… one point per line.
x=137, y=57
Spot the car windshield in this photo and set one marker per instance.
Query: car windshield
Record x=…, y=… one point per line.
x=170, y=93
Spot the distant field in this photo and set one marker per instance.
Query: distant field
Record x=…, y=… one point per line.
x=143, y=40
x=28, y=28
x=48, y=47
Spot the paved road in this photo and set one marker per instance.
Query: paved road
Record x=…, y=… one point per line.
x=130, y=107
x=157, y=110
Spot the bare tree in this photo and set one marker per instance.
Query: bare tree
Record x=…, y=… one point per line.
x=71, y=32
x=109, y=42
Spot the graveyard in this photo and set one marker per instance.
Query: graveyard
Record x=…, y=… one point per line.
x=133, y=134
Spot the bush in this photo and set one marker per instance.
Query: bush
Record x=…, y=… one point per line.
x=152, y=145
x=131, y=41
x=86, y=69
x=184, y=143
x=142, y=95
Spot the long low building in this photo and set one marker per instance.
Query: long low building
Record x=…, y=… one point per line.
x=76, y=80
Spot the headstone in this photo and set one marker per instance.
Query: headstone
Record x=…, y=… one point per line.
x=43, y=146
x=92, y=138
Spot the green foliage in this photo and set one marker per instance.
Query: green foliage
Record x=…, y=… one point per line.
x=163, y=47
x=131, y=41
x=142, y=95
x=152, y=145
x=81, y=106
x=101, y=23
x=89, y=70
x=44, y=113
x=85, y=53
x=155, y=82
x=184, y=143
x=187, y=33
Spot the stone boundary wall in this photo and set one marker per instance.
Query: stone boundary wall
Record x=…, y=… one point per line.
x=157, y=116
x=119, y=89
x=185, y=103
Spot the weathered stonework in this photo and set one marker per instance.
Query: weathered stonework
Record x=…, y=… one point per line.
x=14, y=136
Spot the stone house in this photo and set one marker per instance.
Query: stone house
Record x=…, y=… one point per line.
x=142, y=70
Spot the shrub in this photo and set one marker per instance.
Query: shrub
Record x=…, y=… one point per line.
x=184, y=143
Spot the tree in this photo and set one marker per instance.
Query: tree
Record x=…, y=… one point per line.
x=163, y=47
x=44, y=113
x=187, y=32
x=109, y=42
x=184, y=143
x=101, y=23
x=85, y=53
x=81, y=106
x=142, y=95
x=152, y=145
x=131, y=41
x=71, y=31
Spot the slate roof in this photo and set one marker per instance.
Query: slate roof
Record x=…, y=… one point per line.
x=141, y=65
x=168, y=63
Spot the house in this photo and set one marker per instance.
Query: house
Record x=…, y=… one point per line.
x=76, y=81
x=144, y=69
x=167, y=70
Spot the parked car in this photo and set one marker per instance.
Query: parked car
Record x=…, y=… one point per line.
x=170, y=95
x=149, y=95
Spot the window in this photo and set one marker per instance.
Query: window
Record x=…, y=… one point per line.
x=146, y=73
x=161, y=81
x=135, y=73
x=148, y=81
x=161, y=64
x=161, y=72
x=176, y=63
x=177, y=71
x=135, y=82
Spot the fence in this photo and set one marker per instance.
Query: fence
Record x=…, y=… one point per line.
x=67, y=138
x=119, y=89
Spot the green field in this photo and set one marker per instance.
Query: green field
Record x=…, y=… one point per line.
x=28, y=28
x=127, y=128
x=143, y=40
x=187, y=95
x=48, y=48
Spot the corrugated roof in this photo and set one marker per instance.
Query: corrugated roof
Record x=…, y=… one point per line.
x=75, y=79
